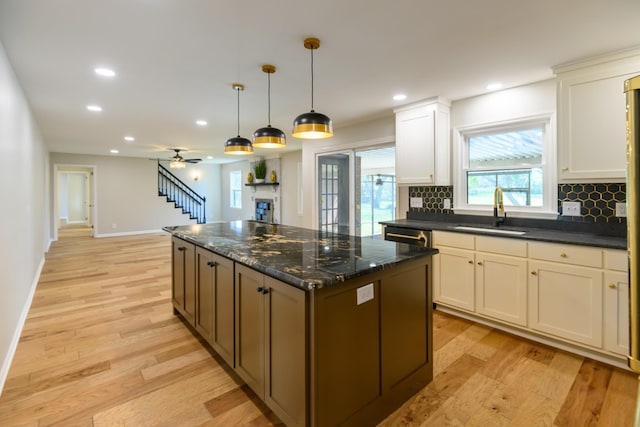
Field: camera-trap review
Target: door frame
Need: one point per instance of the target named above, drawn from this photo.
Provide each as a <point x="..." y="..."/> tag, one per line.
<point x="92" y="171"/>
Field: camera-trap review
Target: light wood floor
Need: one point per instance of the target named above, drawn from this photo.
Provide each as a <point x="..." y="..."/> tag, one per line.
<point x="101" y="347"/>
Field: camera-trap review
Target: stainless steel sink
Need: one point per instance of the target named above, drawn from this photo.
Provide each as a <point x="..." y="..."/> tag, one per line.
<point x="490" y="230"/>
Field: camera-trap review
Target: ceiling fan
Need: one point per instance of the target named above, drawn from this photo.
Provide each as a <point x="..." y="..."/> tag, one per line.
<point x="179" y="162"/>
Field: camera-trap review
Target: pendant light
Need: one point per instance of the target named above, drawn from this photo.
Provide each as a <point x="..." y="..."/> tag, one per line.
<point x="238" y="145"/>
<point x="269" y="137"/>
<point x="312" y="125"/>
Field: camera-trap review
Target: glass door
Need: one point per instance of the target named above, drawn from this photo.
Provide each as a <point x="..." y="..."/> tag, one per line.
<point x="333" y="193"/>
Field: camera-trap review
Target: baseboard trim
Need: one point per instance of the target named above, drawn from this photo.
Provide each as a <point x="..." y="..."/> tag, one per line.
<point x="128" y="233"/>
<point x="6" y="364"/>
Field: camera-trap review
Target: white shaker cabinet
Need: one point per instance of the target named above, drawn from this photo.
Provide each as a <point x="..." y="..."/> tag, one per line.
<point x="616" y="302"/>
<point x="591" y="115"/>
<point x="453" y="270"/>
<point x="423" y="143"/>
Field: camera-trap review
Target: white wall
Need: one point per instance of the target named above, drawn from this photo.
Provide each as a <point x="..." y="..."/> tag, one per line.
<point x="522" y="101"/>
<point x="365" y="134"/>
<point x="127" y="196"/>
<point x="24" y="235"/>
<point x="291" y="188"/>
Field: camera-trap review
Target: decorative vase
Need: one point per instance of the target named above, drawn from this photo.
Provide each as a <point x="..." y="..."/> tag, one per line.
<point x="259" y="180"/>
<point x="273" y="176"/>
<point x="249" y="177"/>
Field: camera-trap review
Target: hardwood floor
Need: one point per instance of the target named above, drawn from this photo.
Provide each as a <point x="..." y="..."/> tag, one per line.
<point x="101" y="347"/>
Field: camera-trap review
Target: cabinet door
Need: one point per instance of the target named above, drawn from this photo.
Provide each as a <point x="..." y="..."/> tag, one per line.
<point x="592" y="113"/>
<point x="415" y="138"/>
<point x="250" y="328"/>
<point x="453" y="271"/>
<point x="616" y="312"/>
<point x="183" y="280"/>
<point x="286" y="351"/>
<point x="205" y="286"/>
<point x="566" y="301"/>
<point x="223" y="341"/>
<point x="501" y="287"/>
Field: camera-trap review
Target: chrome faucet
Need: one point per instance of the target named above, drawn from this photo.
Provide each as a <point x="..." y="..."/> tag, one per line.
<point x="498" y="207"/>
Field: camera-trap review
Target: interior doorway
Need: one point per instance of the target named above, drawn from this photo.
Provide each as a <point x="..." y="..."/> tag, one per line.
<point x="74" y="197"/>
<point x="357" y="190"/>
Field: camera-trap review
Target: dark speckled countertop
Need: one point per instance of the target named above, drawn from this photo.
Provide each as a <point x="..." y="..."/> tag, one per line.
<point x="305" y="258"/>
<point x="611" y="236"/>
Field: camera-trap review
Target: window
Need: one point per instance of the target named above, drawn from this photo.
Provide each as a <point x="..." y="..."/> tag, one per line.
<point x="235" y="189"/>
<point x="516" y="156"/>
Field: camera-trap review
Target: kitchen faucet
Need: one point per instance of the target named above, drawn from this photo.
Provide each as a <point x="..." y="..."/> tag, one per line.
<point x="498" y="207"/>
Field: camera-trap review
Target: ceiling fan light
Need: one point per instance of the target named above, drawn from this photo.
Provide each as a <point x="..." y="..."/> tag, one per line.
<point x="312" y="125"/>
<point x="238" y="146"/>
<point x="177" y="164"/>
<point x="269" y="137"/>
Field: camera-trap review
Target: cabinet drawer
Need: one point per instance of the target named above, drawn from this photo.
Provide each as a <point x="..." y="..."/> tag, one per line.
<point x="566" y="254"/>
<point x="498" y="245"/>
<point x="454" y="240"/>
<point x="616" y="260"/>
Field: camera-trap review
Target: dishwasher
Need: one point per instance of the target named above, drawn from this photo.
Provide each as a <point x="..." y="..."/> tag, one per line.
<point x="411" y="236"/>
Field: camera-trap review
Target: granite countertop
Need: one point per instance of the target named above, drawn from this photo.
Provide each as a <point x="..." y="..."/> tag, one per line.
<point x="612" y="236"/>
<point x="305" y="258"/>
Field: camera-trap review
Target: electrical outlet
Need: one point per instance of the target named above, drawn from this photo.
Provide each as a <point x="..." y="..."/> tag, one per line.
<point x="364" y="294"/>
<point x="571" y="208"/>
<point x="415" y="202"/>
<point x="446" y="204"/>
<point x="621" y="209"/>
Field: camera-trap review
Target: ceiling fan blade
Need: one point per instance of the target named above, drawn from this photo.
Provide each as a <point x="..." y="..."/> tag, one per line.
<point x="193" y="160"/>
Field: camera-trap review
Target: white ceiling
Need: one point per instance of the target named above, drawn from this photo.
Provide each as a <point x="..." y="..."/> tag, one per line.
<point x="176" y="60"/>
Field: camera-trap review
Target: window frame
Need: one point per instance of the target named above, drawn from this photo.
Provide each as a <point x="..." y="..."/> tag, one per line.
<point x="546" y="121"/>
<point x="232" y="189"/>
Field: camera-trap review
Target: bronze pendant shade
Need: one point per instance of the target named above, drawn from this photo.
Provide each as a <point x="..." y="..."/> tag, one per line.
<point x="238" y="145"/>
<point x="312" y="125"/>
<point x="269" y="137"/>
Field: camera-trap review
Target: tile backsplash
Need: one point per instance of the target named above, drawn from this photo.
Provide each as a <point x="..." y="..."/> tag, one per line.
<point x="598" y="201"/>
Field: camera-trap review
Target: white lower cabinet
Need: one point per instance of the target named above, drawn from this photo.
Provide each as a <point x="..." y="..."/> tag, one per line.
<point x="566" y="301"/>
<point x="453" y="271"/>
<point x="501" y="287"/>
<point x="574" y="294"/>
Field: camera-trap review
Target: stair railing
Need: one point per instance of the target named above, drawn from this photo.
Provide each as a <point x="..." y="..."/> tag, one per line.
<point x="179" y="193"/>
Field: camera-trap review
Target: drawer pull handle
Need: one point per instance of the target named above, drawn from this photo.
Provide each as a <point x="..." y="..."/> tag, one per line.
<point x="563" y="255"/>
<point x="406" y="236"/>
<point x="533" y="273"/>
<point x="479" y="263"/>
<point x="211" y="264"/>
<point x="182" y="248"/>
<point x="612" y="286"/>
<point x="470" y="262"/>
<point x="565" y="168"/>
<point x="262" y="290"/>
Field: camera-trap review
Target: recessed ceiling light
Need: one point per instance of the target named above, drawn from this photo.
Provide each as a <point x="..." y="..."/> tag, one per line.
<point x="201" y="122"/>
<point x="105" y="72"/>
<point x="209" y="157"/>
<point x="114" y="151"/>
<point x="494" y="86"/>
<point x="399" y="97"/>
<point x="129" y="138"/>
<point x="94" y="108"/>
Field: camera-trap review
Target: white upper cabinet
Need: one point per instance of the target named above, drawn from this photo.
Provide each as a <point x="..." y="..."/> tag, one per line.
<point x="423" y="143"/>
<point x="591" y="118"/>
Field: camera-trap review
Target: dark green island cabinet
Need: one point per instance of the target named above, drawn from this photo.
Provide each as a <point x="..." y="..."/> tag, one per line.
<point x="329" y="352"/>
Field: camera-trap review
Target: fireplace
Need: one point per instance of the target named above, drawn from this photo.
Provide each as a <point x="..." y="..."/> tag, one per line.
<point x="264" y="209"/>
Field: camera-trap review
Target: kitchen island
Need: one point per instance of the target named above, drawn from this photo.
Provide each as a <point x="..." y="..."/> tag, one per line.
<point x="327" y="329"/>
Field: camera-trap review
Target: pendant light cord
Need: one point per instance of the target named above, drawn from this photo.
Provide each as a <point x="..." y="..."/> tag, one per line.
<point x="238" y="115"/>
<point x="269" y="98"/>
<point x="311" y="79"/>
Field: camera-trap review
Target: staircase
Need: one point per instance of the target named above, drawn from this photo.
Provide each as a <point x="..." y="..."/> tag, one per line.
<point x="181" y="195"/>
